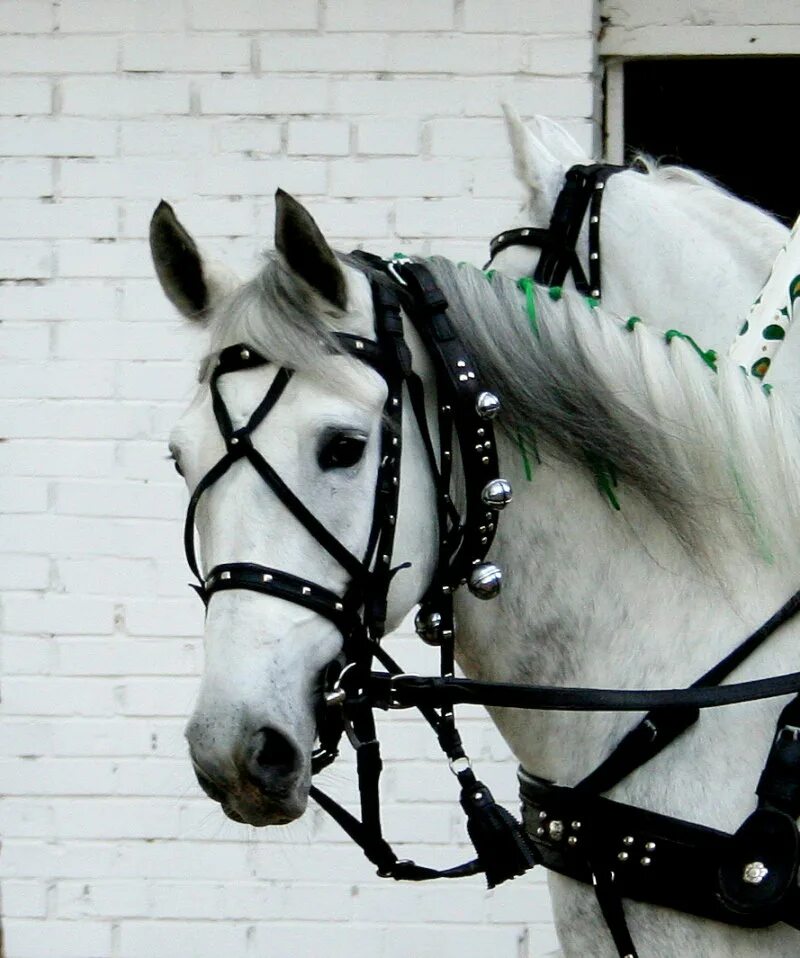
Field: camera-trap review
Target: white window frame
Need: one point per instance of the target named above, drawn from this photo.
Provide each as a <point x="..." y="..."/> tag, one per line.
<point x="673" y="41"/>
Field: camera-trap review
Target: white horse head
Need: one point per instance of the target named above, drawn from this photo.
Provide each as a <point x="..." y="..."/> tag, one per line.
<point x="676" y="248"/>
<point x="253" y="727"/>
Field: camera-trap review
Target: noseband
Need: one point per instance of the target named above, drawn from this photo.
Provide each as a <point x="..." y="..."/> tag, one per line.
<point x="748" y="878"/>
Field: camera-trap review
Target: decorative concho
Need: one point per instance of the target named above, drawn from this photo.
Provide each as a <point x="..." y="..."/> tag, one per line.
<point x="754" y="873"/>
<point x="429" y="626"/>
<point x="485" y="580"/>
<point x="497" y="494"/>
<point x="487" y="405"/>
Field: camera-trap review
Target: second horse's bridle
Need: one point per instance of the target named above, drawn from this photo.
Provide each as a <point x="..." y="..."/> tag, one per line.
<point x="583" y="190"/>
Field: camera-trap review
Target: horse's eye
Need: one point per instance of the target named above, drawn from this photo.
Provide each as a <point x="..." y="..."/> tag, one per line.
<point x="341" y="451"/>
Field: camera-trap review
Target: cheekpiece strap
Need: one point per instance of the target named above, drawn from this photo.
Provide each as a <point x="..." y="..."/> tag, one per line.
<point x="583" y="189"/>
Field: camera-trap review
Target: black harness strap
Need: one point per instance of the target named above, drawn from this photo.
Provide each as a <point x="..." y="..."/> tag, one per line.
<point x="583" y="188"/>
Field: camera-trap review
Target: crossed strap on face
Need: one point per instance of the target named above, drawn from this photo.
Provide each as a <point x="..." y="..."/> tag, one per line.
<point x="341" y="610"/>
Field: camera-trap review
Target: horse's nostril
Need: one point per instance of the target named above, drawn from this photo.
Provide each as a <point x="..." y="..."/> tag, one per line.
<point x="276" y="753"/>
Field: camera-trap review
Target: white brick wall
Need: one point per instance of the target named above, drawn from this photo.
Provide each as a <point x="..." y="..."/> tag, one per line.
<point x="384" y="118"/>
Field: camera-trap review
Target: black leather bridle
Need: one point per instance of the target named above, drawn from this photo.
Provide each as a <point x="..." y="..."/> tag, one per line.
<point x="583" y="190"/>
<point x="749" y="878"/>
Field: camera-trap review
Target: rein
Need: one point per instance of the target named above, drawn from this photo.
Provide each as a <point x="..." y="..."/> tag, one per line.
<point x="748" y="878"/>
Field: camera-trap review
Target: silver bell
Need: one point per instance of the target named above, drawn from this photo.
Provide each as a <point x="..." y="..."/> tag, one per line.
<point x="485" y="580"/>
<point x="429" y="626"/>
<point x="496" y="494"/>
<point x="487" y="405"/>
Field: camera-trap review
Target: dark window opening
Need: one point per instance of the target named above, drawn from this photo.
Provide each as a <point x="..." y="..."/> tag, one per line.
<point x="731" y="118"/>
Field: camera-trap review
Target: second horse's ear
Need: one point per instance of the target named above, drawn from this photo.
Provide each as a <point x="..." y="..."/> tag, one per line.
<point x="299" y="240"/>
<point x="191" y="283"/>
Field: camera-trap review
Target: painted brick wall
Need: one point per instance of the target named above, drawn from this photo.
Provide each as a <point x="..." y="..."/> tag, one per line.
<point x="384" y="118"/>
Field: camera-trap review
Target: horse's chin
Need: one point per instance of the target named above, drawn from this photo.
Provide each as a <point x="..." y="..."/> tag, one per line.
<point x="253" y="807"/>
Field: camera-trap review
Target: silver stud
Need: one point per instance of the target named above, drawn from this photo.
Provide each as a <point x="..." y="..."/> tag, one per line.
<point x="484" y="542"/>
<point x="576" y="826"/>
<point x="395" y="441"/>
<point x="485" y="460"/>
<point x="445" y="409"/>
<point x="650" y="846"/>
<point x="594" y="256"/>
<point x="485" y="580"/>
<point x="645" y="861"/>
<point x="338" y="606"/>
<point x="623" y="856"/>
<point x="234" y="441"/>
<point x="337" y="697"/>
<point x="487" y="405"/>
<point x="461" y="364"/>
<point x="463" y="377"/>
<point x="479" y="447"/>
<point x="596" y="293"/>
<point x="225" y="575"/>
<point x="526" y="232"/>
<point x="540" y="831"/>
<point x="572" y="840"/>
<point x="501" y="237"/>
<point x="470" y="375"/>
<point x="556" y="830"/>
<point x="481" y="432"/>
<point x="599" y="186"/>
<point x="754" y="873"/>
<point x="627" y="840"/>
<point x="395" y="401"/>
<point x="359" y="344"/>
<point x="385" y="558"/>
<point x="266" y="577"/>
<point x="245" y="354"/>
<point x="594" y="219"/>
<point x="487" y="445"/>
<point x="542" y="815"/>
<point x="306" y="590"/>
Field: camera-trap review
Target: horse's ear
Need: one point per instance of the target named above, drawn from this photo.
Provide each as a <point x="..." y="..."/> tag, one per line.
<point x="192" y="284"/>
<point x="299" y="240"/>
<point x="559" y="141"/>
<point x="534" y="164"/>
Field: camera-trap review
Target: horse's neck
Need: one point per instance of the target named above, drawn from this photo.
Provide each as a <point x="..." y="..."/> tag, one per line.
<point x="599" y="598"/>
<point x="679" y="256"/>
<point x="685" y="256"/>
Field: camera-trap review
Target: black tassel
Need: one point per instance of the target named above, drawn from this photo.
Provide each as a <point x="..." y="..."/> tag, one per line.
<point x="503" y="848"/>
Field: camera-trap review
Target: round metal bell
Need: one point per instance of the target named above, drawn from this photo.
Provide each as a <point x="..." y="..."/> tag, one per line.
<point x="485" y="580"/>
<point x="487" y="405"/>
<point x="496" y="494"/>
<point x="429" y="626"/>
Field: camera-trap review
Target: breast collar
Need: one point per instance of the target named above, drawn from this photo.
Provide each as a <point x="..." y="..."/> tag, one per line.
<point x="583" y="189"/>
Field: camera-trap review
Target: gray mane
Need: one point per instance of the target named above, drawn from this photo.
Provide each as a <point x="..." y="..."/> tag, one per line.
<point x="619" y="402"/>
